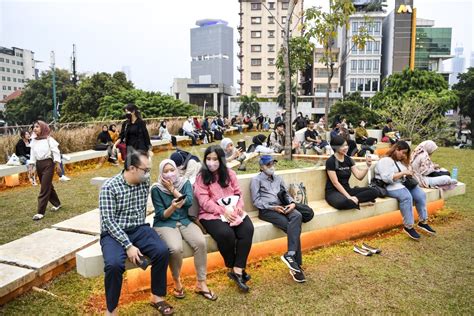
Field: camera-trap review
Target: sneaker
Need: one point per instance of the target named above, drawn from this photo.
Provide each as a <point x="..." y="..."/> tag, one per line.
<point x="362" y="251"/>
<point x="298" y="276"/>
<point x="290" y="262"/>
<point x="371" y="249"/>
<point x="63" y="178"/>
<point x="427" y="228"/>
<point x="56" y="208"/>
<point x="411" y="232"/>
<point x="37" y="217"/>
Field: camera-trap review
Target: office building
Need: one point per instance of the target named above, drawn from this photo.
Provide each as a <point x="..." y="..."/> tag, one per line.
<point x="320" y="81"/>
<point x="17" y="66"/>
<point x="458" y="64"/>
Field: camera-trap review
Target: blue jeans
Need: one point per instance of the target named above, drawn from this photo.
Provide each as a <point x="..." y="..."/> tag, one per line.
<point x="406" y="198"/>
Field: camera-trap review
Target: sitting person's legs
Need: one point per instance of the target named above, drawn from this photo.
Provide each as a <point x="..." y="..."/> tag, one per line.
<point x="439" y="181"/>
<point x="225" y="238"/>
<point x="364" y="194"/>
<point x="419" y="197"/>
<point x="337" y="200"/>
<point x="172" y="237"/>
<point x="405" y="201"/>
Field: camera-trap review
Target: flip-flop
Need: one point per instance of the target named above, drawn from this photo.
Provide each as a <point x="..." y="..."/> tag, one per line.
<point x="207" y="295"/>
<point x="179" y="293"/>
<point x="162" y="307"/>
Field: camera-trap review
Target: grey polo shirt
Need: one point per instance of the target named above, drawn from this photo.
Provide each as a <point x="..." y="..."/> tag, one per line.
<point x="265" y="189"/>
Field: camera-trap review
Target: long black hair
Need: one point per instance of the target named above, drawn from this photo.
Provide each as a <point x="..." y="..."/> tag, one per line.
<point x="223" y="173"/>
<point x="162" y="124"/>
<point x="133" y="108"/>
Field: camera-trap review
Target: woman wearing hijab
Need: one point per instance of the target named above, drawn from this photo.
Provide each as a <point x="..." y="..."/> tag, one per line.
<point x="259" y="142"/>
<point x="172" y="196"/>
<point x="429" y="174"/>
<point x="46" y="156"/>
<point x="231" y="153"/>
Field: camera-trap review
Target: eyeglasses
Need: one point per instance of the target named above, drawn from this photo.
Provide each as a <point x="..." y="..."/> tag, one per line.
<point x="146" y="170"/>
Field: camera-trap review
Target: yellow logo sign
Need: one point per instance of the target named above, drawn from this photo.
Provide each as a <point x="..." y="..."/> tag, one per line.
<point x="404" y="9"/>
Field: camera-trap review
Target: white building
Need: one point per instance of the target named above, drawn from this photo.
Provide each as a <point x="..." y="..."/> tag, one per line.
<point x="17" y="66"/>
<point x="361" y="70"/>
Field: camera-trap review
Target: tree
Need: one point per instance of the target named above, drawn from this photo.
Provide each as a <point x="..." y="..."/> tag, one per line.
<point x="36" y="100"/>
<point x="354" y="108"/>
<point x="323" y="27"/>
<point x="249" y="105"/>
<point x="282" y="95"/>
<point x="84" y="102"/>
<point x="410" y="83"/>
<point x="465" y="91"/>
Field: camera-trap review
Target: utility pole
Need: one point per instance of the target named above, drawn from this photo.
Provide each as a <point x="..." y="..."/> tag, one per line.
<point x="55" y="109"/>
<point x="204" y="109"/>
<point x="73" y="66"/>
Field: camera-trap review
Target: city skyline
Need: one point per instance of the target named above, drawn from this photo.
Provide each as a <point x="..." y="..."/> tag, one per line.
<point x="144" y="36"/>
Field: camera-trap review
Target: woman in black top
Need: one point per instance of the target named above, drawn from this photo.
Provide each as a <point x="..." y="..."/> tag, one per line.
<point x="134" y="133"/>
<point x="339" y="168"/>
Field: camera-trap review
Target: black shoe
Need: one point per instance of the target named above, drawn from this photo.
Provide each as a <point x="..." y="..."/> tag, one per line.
<point x="237" y="278"/>
<point x="245" y="277"/>
<point x="290" y="262"/>
<point x="371" y="249"/>
<point x="298" y="276"/>
<point x="411" y="232"/>
<point x="427" y="228"/>
<point x="362" y="251"/>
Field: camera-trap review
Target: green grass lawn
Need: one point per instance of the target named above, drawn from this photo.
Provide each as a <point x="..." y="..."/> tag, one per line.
<point x="433" y="276"/>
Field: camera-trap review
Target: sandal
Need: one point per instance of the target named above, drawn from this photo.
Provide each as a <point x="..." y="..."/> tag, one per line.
<point x="207" y="295"/>
<point x="163" y="307"/>
<point x="179" y="293"/>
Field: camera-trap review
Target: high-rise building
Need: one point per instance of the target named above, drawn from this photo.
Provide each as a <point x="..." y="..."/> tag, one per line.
<point x="212" y="52"/>
<point x="458" y="65"/>
<point x="261" y="37"/>
<point x="361" y="70"/>
<point x="212" y="72"/>
<point x="433" y="46"/>
<point x="397" y="38"/>
<point x="320" y="81"/>
<point x="17" y="66"/>
<point x="471" y="61"/>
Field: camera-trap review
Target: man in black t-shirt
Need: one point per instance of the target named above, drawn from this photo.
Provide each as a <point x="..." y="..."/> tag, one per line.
<point x="313" y="141"/>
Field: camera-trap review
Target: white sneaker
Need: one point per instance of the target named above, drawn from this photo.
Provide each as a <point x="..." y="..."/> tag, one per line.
<point x="64" y="178"/>
<point x="56" y="208"/>
<point x="37" y="217"/>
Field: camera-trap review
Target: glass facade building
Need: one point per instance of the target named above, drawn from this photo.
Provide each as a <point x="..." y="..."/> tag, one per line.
<point x="431" y="42"/>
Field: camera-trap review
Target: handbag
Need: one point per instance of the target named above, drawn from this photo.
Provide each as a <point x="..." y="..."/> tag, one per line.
<point x="307" y="212"/>
<point x="408" y="182"/>
<point x="380" y="186"/>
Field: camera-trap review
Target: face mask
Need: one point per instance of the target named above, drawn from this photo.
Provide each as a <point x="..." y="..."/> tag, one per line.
<point x="212" y="165"/>
<point x="269" y="171"/>
<point x="170" y="176"/>
<point x="128" y="116"/>
<point x="145" y="177"/>
<point x="362" y="124"/>
<point x="190" y="120"/>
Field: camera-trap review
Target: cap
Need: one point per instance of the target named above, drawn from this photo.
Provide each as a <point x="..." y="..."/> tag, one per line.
<point x="177" y="158"/>
<point x="266" y="159"/>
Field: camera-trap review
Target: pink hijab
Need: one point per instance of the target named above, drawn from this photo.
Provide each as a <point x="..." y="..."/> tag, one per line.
<point x="45" y="130"/>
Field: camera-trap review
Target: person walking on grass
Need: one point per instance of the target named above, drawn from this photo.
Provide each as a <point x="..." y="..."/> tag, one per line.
<point x="45" y="155"/>
<point x="265" y="189"/>
<point x="172" y="196"/>
<point x="124" y="233"/>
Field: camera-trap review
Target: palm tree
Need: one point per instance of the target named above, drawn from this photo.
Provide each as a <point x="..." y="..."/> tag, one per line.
<point x="249" y="105"/>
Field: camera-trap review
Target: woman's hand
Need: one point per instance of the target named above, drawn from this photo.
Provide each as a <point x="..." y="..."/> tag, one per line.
<point x="239" y="211"/>
<point x="354" y="199"/>
<point x="168" y="185"/>
<point x="177" y="205"/>
<point x="58" y="168"/>
<point x="229" y="215"/>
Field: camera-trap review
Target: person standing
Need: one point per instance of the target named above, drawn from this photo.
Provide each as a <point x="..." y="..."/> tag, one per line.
<point x="46" y="156"/>
<point x="134" y="133"/>
<point x="124" y="233"/>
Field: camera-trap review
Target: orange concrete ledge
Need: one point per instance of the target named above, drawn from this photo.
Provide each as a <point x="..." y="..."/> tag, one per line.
<point x="138" y="280"/>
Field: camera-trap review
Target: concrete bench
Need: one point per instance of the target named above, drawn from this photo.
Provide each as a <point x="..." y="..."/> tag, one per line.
<point x="90" y="262"/>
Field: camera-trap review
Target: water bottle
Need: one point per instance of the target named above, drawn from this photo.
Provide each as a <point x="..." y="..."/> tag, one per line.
<point x="454" y="174"/>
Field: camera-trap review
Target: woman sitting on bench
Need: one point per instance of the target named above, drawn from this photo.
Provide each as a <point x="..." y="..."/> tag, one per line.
<point x="339" y="168"/>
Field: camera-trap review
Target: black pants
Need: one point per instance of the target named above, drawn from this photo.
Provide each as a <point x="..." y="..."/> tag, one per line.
<point x="45" y="170"/>
<point x="233" y="242"/>
<point x="147" y="240"/>
<point x="259" y="126"/>
<point x="337" y="200"/>
<point x="352" y="151"/>
<point x="290" y="224"/>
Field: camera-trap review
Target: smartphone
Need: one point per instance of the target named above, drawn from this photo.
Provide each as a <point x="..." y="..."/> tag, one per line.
<point x="182" y="197"/>
<point x="143" y="263"/>
<point x="286" y="208"/>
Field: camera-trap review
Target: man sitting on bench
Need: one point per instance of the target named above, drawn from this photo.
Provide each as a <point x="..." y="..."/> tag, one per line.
<point x="124" y="233"/>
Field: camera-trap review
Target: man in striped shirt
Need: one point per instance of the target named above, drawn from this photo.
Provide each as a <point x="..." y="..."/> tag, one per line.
<point x="124" y="233"/>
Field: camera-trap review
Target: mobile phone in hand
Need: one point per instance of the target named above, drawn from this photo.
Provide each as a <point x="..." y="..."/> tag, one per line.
<point x="182" y="197"/>
<point x="143" y="263"/>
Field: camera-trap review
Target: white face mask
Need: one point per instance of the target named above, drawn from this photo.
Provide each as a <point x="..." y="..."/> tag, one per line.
<point x="362" y="124"/>
<point x="269" y="171"/>
<point x="190" y="120"/>
<point x="212" y="165"/>
<point x="145" y="177"/>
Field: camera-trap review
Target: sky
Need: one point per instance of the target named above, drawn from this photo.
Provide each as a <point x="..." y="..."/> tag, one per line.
<point x="152" y="38"/>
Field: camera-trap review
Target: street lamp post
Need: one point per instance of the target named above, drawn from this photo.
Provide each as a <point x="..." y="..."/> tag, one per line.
<point x="55" y="109"/>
